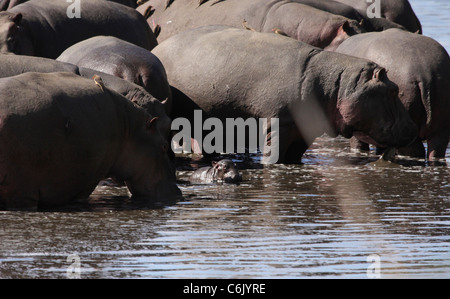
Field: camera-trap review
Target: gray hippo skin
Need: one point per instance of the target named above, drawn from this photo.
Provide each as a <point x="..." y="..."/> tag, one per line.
<point x="397" y="11"/>
<point x="222" y="171"/>
<point x="117" y="57"/>
<point x="232" y="73"/>
<point x="301" y="22"/>
<point x="43" y="28"/>
<point x="338" y="8"/>
<point x="420" y="67"/>
<point x="7" y="4"/>
<point x="59" y="139"/>
<point x="12" y="65"/>
<point x="137" y="95"/>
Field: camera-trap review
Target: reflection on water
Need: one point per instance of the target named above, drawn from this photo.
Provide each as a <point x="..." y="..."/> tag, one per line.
<point x="320" y="219"/>
<point x="324" y="218"/>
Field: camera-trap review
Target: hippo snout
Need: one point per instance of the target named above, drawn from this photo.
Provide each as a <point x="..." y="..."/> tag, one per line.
<point x="232" y="176"/>
<point x="404" y="130"/>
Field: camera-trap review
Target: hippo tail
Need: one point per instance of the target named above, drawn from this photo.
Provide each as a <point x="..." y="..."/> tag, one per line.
<point x="426" y="95"/>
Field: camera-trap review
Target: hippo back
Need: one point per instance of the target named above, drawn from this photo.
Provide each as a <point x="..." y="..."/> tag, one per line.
<point x="316" y="27"/>
<point x="51" y="29"/>
<point x="110" y="55"/>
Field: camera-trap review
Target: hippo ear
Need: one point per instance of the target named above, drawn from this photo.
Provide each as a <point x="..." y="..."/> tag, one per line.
<point x="379" y="74"/>
<point x="17" y="18"/>
<point x="345" y="28"/>
<point x="214" y="163"/>
<point x="151" y="125"/>
<point x="165" y="101"/>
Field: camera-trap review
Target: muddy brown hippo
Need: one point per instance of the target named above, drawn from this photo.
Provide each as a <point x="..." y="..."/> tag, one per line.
<point x="316" y="27"/>
<point x="398" y="11"/>
<point x="223" y="171"/>
<point x="61" y="134"/>
<point x="12" y="65"/>
<point x="420" y="67"/>
<point x="230" y="73"/>
<point x="43" y="27"/>
<point x="120" y="58"/>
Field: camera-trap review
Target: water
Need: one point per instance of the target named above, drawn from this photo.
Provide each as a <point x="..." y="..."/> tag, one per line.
<point x="338" y="215"/>
<point x="435" y="18"/>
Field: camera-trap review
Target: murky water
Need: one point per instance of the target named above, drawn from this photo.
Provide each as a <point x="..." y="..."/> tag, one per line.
<point x="338" y="215"/>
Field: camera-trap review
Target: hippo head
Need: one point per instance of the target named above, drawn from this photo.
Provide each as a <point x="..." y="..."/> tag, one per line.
<point x="157" y="108"/>
<point x="12" y="35"/>
<point x="225" y="170"/>
<point x="145" y="166"/>
<point x="342" y="32"/>
<point x="369" y="108"/>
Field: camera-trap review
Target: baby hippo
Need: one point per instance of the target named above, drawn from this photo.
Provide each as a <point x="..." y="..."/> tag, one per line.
<point x="222" y="171"/>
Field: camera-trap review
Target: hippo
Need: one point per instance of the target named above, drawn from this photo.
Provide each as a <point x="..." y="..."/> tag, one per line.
<point x="11" y="65"/>
<point x="7" y="4"/>
<point x="398" y="11"/>
<point x="44" y="28"/>
<point x="224" y="170"/>
<point x="230" y="73"/>
<point x="316" y="27"/>
<point x="420" y="67"/>
<point x="117" y="57"/>
<point x="137" y="95"/>
<point x="59" y="139"/>
<point x="338" y="8"/>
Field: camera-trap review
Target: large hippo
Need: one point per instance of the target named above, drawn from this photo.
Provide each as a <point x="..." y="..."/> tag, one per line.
<point x="398" y="11"/>
<point x="59" y="139"/>
<point x="420" y="67"/>
<point x="44" y="28"/>
<point x="338" y="8"/>
<point x="230" y="73"/>
<point x="7" y="4"/>
<point x="11" y="65"/>
<point x="313" y="26"/>
<point x="117" y="57"/>
<point x="223" y="171"/>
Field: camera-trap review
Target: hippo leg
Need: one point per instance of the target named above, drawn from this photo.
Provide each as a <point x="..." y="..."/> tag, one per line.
<point x="358" y="145"/>
<point x="24" y="203"/>
<point x="437" y="145"/>
<point x="295" y="152"/>
<point x="415" y="150"/>
<point x="285" y="147"/>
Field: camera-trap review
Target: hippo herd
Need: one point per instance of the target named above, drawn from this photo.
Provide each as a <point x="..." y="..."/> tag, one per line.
<point x="91" y="95"/>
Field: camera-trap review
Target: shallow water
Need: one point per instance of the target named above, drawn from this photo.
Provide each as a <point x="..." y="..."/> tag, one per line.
<point x="320" y="219"/>
<point x="339" y="215"/>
